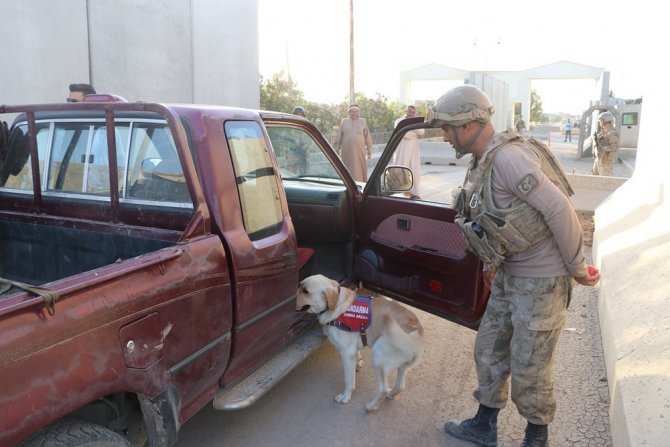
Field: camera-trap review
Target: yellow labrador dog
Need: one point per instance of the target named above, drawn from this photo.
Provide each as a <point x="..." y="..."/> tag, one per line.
<point x="350" y="322"/>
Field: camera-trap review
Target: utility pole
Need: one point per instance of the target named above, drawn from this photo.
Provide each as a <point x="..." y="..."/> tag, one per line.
<point x="351" y="52"/>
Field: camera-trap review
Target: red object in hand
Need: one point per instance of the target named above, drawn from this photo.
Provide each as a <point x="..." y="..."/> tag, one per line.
<point x="592" y="270"/>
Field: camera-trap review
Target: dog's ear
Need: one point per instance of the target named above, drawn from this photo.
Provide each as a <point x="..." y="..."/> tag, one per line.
<point x="332" y="297"/>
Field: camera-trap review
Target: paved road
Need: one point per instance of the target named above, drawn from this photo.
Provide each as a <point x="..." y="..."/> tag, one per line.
<point x="300" y="411"/>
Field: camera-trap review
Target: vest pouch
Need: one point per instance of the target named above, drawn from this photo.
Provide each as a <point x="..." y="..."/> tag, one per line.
<point x="503" y="232"/>
<point x="458" y="198"/>
<point x="535" y="229"/>
<point x="477" y="242"/>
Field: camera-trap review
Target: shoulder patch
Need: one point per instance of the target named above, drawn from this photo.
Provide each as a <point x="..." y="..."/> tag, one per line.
<point x="527" y="184"/>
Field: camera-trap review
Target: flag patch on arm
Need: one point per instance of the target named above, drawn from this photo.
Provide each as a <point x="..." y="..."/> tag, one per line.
<point x="527" y="184"/>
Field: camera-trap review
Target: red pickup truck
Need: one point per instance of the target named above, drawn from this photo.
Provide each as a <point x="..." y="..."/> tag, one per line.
<point x="151" y="254"/>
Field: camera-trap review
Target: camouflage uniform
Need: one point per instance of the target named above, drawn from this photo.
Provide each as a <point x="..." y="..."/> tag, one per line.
<point x="518" y="335"/>
<point x="508" y="179"/>
<point x="606" y="148"/>
<point x="531" y="290"/>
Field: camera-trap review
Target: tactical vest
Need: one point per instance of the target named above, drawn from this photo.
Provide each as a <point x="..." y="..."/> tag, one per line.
<point x="494" y="233"/>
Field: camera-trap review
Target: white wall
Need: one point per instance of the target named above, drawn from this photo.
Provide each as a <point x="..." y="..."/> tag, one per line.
<point x="498" y="92"/>
<point x="44" y="49"/>
<point x="632" y="250"/>
<point x="225" y="53"/>
<point x="203" y="51"/>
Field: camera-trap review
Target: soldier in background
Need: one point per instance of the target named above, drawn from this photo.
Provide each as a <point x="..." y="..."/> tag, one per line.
<point x="299" y="110"/>
<point x="606" y="144"/>
<point x="520" y="125"/>
<point x="531" y="285"/>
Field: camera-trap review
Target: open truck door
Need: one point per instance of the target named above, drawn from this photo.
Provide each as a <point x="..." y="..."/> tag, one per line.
<point x="411" y="250"/>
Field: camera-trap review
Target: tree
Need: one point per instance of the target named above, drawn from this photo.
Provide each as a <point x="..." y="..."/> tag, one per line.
<point x="535" y="107"/>
<point x="280" y="94"/>
<point x="379" y="113"/>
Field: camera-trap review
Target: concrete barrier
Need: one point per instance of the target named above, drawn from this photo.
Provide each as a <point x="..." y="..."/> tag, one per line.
<point x="592" y="190"/>
<point x="632" y="249"/>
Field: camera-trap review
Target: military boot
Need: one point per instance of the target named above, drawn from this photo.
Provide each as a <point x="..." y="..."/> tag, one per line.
<point x="536" y="436"/>
<point x="481" y="429"/>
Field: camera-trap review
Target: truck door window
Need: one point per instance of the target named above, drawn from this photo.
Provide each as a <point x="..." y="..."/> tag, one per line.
<point x="256" y="181"/>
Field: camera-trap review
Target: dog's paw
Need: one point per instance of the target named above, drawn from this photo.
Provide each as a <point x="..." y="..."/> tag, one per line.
<point x="359" y="364"/>
<point x="343" y="398"/>
<point x="393" y="393"/>
<point x="373" y="405"/>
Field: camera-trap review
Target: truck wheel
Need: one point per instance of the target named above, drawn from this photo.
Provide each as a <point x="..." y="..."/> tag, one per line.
<point x="71" y="433"/>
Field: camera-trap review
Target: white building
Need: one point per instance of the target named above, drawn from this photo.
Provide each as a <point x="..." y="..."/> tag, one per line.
<point x="189" y="51"/>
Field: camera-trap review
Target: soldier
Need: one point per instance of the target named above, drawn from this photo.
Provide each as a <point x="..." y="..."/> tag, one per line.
<point x="530" y="276"/>
<point x="520" y="125"/>
<point x="606" y="142"/>
<point x="299" y="110"/>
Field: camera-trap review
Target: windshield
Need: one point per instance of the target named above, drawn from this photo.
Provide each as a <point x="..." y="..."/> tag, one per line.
<point x="298" y="155"/>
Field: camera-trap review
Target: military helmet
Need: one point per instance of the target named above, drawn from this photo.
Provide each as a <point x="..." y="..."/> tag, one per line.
<point x="460" y="105"/>
<point x="297" y="110"/>
<point x="606" y="117"/>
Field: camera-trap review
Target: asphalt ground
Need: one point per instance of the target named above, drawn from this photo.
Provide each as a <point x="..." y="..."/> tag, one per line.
<point x="300" y="410"/>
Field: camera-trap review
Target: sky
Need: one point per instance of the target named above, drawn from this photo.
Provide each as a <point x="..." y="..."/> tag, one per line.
<point x="309" y="39"/>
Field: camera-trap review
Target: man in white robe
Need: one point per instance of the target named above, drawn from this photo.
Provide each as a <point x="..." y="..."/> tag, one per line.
<point x="353" y="144"/>
<point x="407" y="152"/>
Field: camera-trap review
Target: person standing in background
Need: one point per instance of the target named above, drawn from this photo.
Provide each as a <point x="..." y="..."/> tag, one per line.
<point x="568" y="131"/>
<point x="606" y="144"/>
<point x="299" y="110"/>
<point x="353" y="144"/>
<point x="407" y="152"/>
<point x="79" y="91"/>
<point x="520" y="125"/>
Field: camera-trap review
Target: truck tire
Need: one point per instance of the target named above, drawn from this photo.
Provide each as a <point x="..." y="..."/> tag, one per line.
<point x="72" y="433"/>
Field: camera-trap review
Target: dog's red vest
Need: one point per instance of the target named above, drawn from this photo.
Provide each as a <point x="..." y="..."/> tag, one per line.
<point x="357" y="317"/>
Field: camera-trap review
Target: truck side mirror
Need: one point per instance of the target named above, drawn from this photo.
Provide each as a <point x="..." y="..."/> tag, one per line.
<point x="397" y="179"/>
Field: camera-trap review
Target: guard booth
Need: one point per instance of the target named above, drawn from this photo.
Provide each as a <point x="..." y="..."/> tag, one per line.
<point x="629" y="129"/>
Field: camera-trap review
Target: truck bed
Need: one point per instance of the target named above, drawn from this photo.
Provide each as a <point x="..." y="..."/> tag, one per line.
<point x="69" y="247"/>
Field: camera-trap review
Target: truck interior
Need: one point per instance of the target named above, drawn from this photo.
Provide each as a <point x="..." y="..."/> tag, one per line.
<point x="319" y="203"/>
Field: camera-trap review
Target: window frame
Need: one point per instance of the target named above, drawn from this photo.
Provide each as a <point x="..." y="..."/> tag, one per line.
<point x="92" y="124"/>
